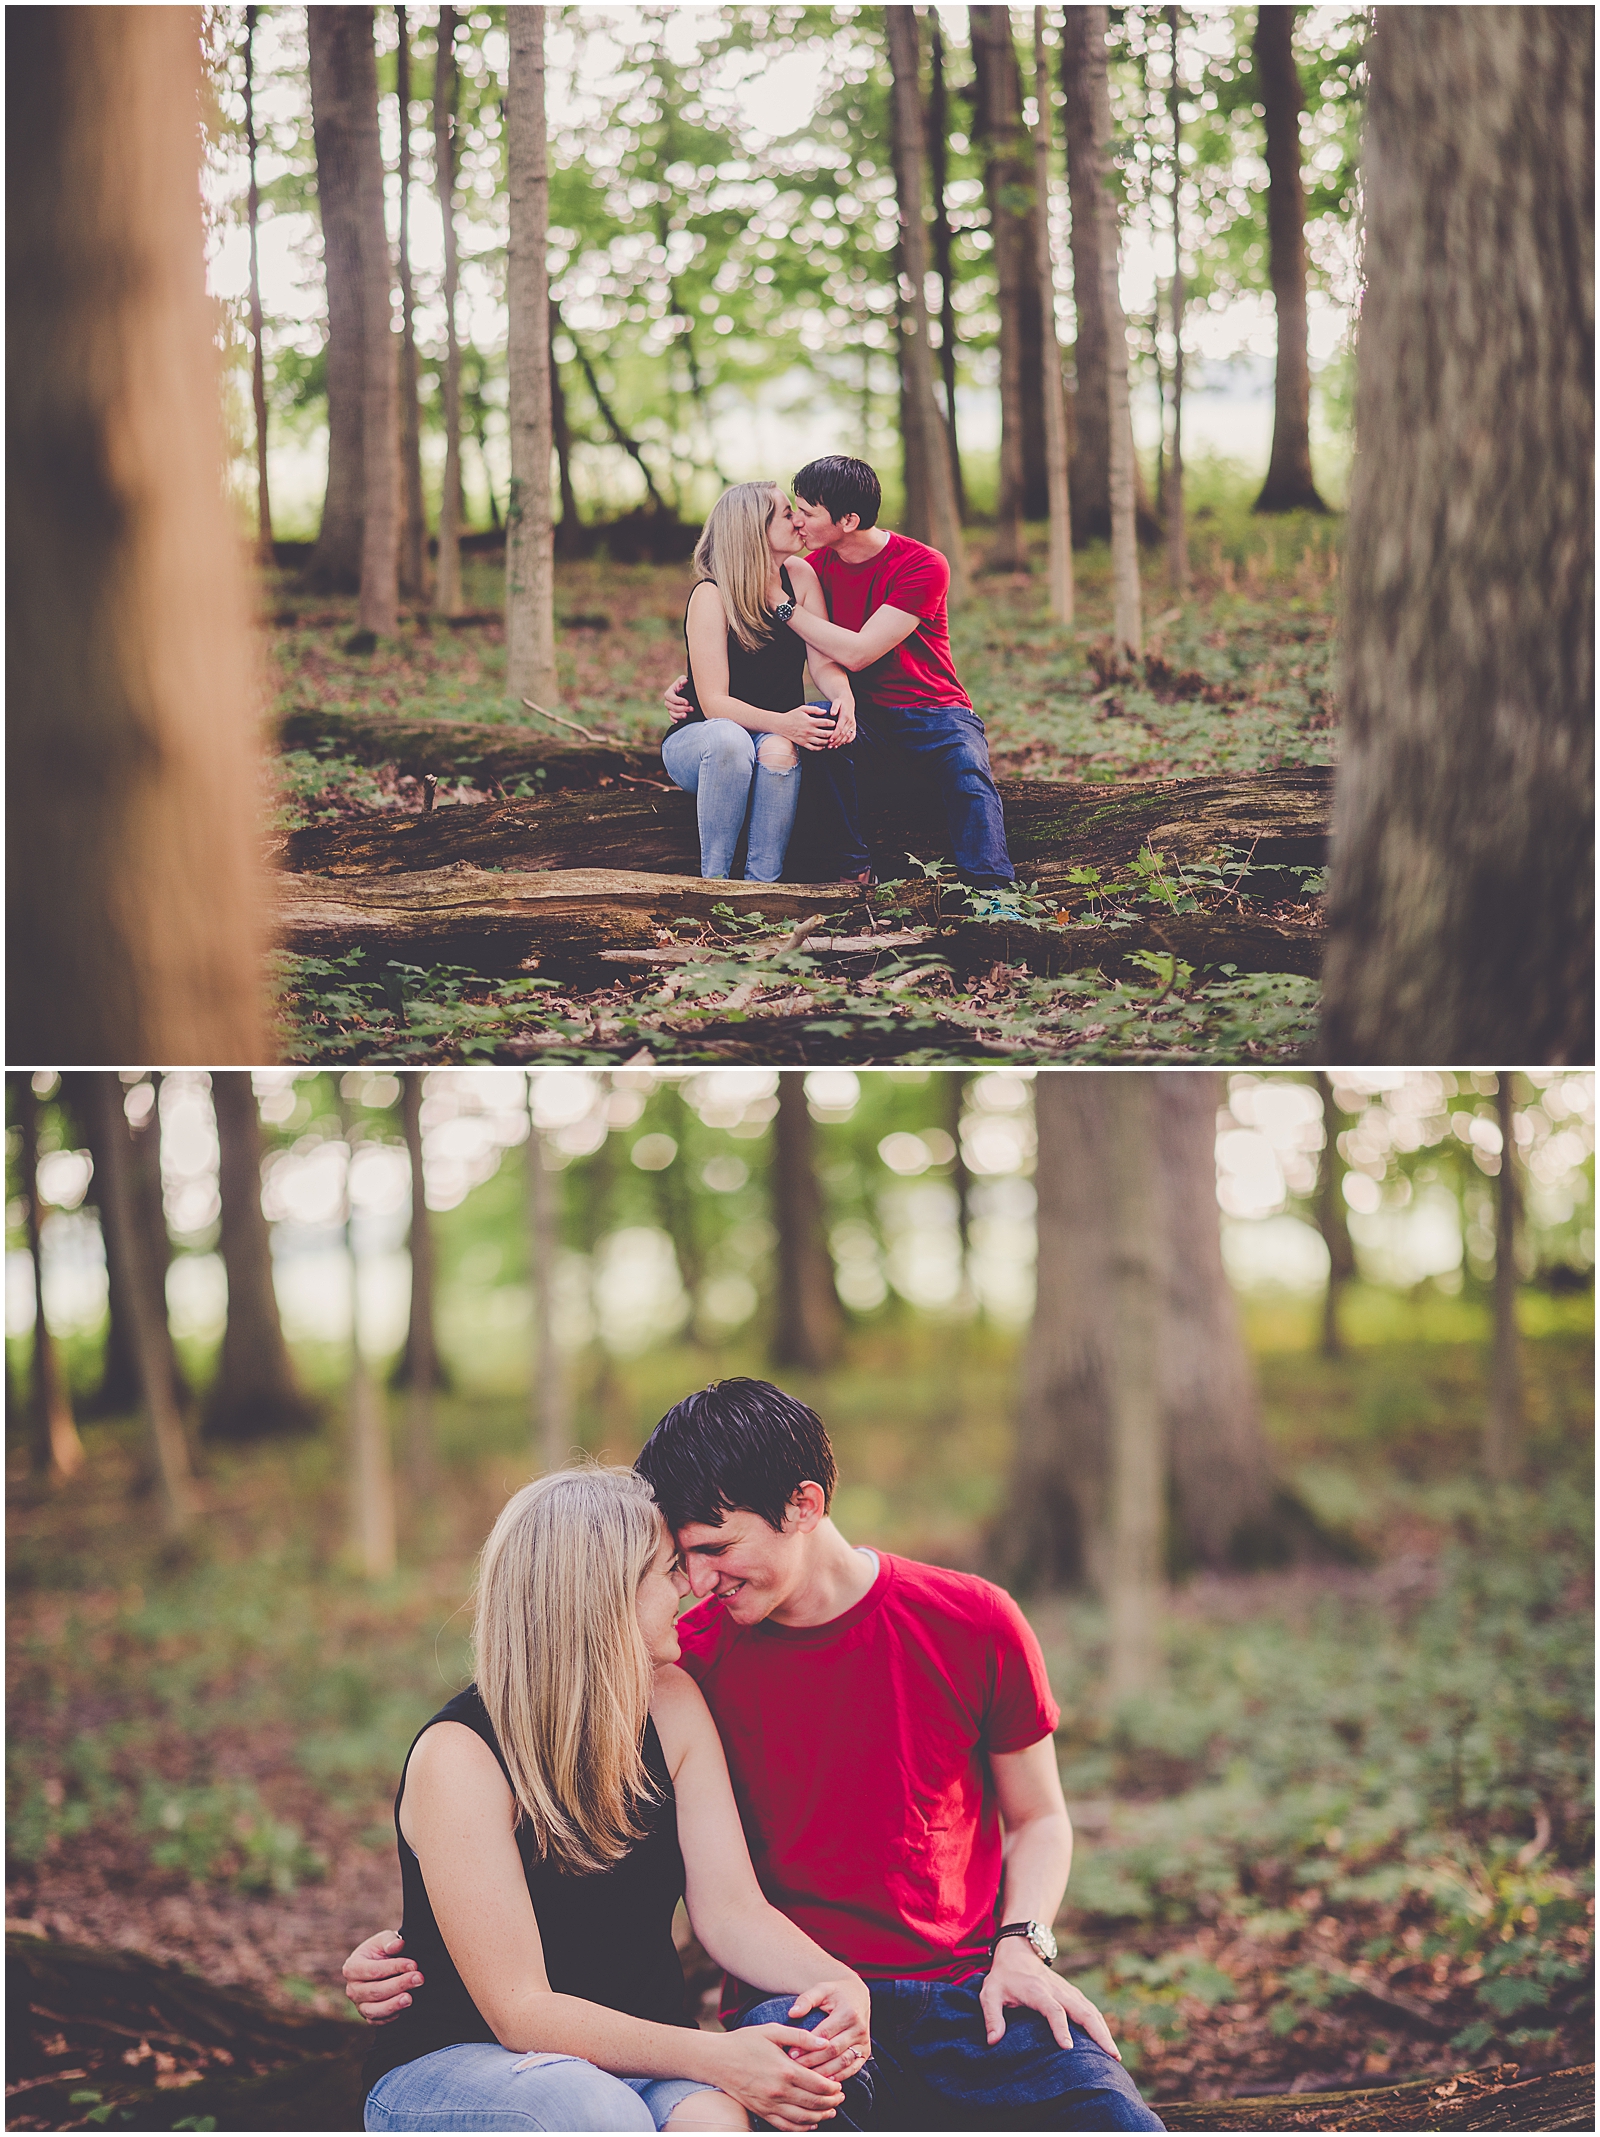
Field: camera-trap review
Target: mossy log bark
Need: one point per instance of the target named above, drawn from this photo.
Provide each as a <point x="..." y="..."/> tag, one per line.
<point x="283" y="2072"/>
<point x="566" y="920"/>
<point x="455" y="749"/>
<point x="1278" y="818"/>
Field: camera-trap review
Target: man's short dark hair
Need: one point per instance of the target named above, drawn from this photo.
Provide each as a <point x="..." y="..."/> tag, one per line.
<point x="735" y="1444"/>
<point x="840" y="485"/>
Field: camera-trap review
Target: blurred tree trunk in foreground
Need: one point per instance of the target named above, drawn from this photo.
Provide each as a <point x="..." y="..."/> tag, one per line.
<point x="1225" y="1508"/>
<point x="927" y="445"/>
<point x="418" y="1370"/>
<point x="808" y="1325"/>
<point x="1289" y="486"/>
<point x="1461" y="908"/>
<point x="1502" y="1441"/>
<point x="414" y="529"/>
<point x="255" y="1394"/>
<point x="447" y="572"/>
<point x="132" y="873"/>
<point x="335" y="35"/>
<point x="54" y="1445"/>
<point x="530" y="559"/>
<point x="1332" y="1221"/>
<point x="151" y="1341"/>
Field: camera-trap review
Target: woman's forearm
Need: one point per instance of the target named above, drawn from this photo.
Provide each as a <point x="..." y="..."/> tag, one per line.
<point x="759" y="1945"/>
<point x="828" y="675"/>
<point x="541" y="2022"/>
<point x="718" y="706"/>
<point x="824" y="636"/>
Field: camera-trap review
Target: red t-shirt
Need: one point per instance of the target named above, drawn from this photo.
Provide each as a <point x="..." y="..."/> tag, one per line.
<point x="858" y="1756"/>
<point x="919" y="673"/>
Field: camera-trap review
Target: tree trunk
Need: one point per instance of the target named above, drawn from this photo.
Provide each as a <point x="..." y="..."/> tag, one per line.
<point x="926" y="442"/>
<point x="1060" y="1525"/>
<point x="54" y="1446"/>
<point x="1058" y="479"/>
<point x="1094" y="233"/>
<point x="133" y="890"/>
<point x="1332" y="1222"/>
<point x="913" y="468"/>
<point x="1502" y="1443"/>
<point x="530" y="558"/>
<point x="258" y="362"/>
<point x="1177" y="535"/>
<point x="808" y="1325"/>
<point x="551" y="1405"/>
<point x="1289" y="486"/>
<point x="419" y="1369"/>
<point x="414" y="535"/>
<point x="335" y="43"/>
<point x="447" y="572"/>
<point x="997" y="104"/>
<point x="118" y="1390"/>
<point x="151" y="1341"/>
<point x="380" y="440"/>
<point x="371" y="1462"/>
<point x="1139" y="1443"/>
<point x="1461" y="907"/>
<point x="255" y="1395"/>
<point x="943" y="251"/>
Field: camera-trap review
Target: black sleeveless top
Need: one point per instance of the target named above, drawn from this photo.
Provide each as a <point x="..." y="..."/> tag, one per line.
<point x="773" y="676"/>
<point x="607" y="1936"/>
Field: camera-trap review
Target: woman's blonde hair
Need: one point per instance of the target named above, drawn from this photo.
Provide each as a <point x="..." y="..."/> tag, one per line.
<point x="561" y="1663"/>
<point x="732" y="553"/>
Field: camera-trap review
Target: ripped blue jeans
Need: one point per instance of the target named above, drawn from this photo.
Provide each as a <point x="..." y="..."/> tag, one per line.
<point x="716" y="761"/>
<point x="482" y="2086"/>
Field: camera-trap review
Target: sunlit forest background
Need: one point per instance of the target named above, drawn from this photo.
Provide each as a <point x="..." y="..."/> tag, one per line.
<point x="1341" y="1834"/>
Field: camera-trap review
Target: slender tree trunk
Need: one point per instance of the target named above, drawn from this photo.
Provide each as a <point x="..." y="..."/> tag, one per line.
<point x="133" y="896"/>
<point x="1289" y="486"/>
<point x="1461" y="907"/>
<point x="568" y="540"/>
<point x="1177" y="535"/>
<point x="54" y="1446"/>
<point x="943" y="251"/>
<point x="118" y="1391"/>
<point x="380" y="439"/>
<point x="1332" y="1222"/>
<point x="551" y="1405"/>
<point x="1502" y="1439"/>
<point x="1058" y="477"/>
<point x="1007" y="180"/>
<point x="1094" y="233"/>
<point x="530" y="556"/>
<point x="809" y="1324"/>
<point x="447" y="573"/>
<point x="414" y="535"/>
<point x="151" y="1342"/>
<point x="1138" y="1439"/>
<point x="926" y="440"/>
<point x="608" y="416"/>
<point x="913" y="469"/>
<point x="335" y="43"/>
<point x="255" y="1395"/>
<point x="1127" y="627"/>
<point x="419" y="1371"/>
<point x="953" y="1090"/>
<point x="371" y="1461"/>
<point x="258" y="362"/>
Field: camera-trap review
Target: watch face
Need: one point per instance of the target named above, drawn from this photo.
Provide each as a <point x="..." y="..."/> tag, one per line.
<point x="1042" y="1941"/>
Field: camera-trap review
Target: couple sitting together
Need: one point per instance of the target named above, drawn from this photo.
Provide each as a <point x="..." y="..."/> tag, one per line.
<point x="869" y="605"/>
<point x="840" y="1759"/>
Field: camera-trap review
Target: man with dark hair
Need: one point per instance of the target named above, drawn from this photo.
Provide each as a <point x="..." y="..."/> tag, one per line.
<point x="889" y="1732"/>
<point x="888" y="624"/>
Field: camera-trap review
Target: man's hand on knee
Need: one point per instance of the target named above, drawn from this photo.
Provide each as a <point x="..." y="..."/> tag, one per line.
<point x="1020" y="1979"/>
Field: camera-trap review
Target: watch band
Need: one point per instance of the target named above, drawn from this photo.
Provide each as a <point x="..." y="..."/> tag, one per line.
<point x="1038" y="1935"/>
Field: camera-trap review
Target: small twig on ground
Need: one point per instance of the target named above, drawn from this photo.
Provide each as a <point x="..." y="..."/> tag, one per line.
<point x="662" y="786"/>
<point x="430" y="789"/>
<point x="798" y="934"/>
<point x="587" y="733"/>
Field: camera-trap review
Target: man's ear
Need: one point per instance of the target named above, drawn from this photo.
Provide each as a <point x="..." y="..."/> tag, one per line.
<point x="850" y="522"/>
<point x="807" y="1506"/>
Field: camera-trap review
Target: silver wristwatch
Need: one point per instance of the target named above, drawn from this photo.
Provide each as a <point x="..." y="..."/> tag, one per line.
<point x="1037" y="1934"/>
<point x="784" y="610"/>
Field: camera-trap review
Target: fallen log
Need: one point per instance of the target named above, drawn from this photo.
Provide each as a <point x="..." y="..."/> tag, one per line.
<point x="566" y="921"/>
<point x="238" y="2063"/>
<point x="456" y="749"/>
<point x="1278" y="818"/>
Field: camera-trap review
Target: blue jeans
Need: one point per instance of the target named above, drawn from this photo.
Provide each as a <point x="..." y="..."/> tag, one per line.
<point x="952" y="743"/>
<point x="932" y="2068"/>
<point x="482" y="2086"/>
<point x="716" y="761"/>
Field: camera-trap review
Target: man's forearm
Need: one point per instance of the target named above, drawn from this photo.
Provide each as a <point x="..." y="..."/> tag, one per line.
<point x="1038" y="1864"/>
<point x="828" y="675"/>
<point x="824" y="636"/>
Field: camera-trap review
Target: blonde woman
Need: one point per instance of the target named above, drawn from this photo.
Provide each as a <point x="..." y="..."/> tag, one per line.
<point x="549" y="1819"/>
<point x="737" y="749"/>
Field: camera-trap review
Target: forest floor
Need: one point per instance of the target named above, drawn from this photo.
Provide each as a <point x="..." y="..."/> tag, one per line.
<point x="1348" y="1841"/>
<point x="1238" y="678"/>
